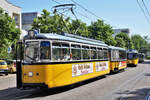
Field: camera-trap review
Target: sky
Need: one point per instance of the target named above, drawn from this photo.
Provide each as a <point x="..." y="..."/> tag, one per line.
<point x="117" y="13"/>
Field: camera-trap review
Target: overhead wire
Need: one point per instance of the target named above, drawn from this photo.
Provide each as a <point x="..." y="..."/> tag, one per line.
<point x="86" y="9"/>
<point x="90" y="12"/>
<point x="74" y="11"/>
<point x="143" y="11"/>
<point x="83" y="15"/>
<point x="146" y="8"/>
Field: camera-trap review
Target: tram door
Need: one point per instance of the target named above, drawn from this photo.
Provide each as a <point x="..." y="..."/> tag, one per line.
<point x="19" y="58"/>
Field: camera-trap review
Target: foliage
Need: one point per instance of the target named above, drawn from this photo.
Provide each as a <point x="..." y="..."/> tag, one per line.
<point x="101" y="31"/>
<point x="57" y="24"/>
<point x="9" y="34"/>
<point x="48" y="23"/>
<point x="51" y="24"/>
<point x="78" y="27"/>
<point x="148" y="57"/>
<point x="120" y="42"/>
<point x="124" y="41"/>
<point x="139" y="42"/>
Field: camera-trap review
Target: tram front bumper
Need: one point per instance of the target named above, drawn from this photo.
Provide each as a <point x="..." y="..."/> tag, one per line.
<point x="34" y="85"/>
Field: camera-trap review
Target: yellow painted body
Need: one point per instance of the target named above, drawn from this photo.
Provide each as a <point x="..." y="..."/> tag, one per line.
<point x="117" y="65"/>
<point x="133" y="61"/>
<point x="3" y="66"/>
<point x="55" y="75"/>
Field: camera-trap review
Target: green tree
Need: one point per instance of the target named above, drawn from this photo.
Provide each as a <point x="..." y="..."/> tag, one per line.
<point x="78" y="27"/>
<point x="51" y="24"/>
<point x="126" y="41"/>
<point x="120" y="42"/>
<point x="9" y="34"/>
<point x="139" y="42"/>
<point x="101" y="31"/>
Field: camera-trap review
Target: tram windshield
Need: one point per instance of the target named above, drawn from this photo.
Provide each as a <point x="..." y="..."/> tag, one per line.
<point x="132" y="55"/>
<point x="35" y="52"/>
<point x="31" y="51"/>
<point x="45" y="50"/>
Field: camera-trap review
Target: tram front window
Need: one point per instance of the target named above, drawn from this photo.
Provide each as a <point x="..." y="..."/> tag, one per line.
<point x="132" y="55"/>
<point x="31" y="51"/>
<point x="45" y="50"/>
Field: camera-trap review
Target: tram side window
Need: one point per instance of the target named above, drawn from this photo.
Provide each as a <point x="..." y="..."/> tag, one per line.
<point x="85" y="52"/>
<point x="135" y="55"/>
<point x="65" y="52"/>
<point x="100" y="53"/>
<point x="60" y="51"/>
<point x="45" y="50"/>
<point x="105" y="51"/>
<point x="93" y="53"/>
<point x="76" y="52"/>
<point x="115" y="55"/>
<point x="56" y="51"/>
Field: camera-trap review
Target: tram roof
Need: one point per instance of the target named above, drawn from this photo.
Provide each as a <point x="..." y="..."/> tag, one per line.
<point x="116" y="48"/>
<point x="132" y="51"/>
<point x="70" y="37"/>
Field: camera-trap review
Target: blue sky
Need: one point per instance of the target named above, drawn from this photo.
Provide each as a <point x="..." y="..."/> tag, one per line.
<point x="117" y="13"/>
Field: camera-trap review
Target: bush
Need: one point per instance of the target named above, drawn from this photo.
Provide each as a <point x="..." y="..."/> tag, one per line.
<point x="148" y="57"/>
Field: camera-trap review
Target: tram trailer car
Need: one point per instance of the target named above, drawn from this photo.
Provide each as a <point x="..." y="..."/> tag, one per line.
<point x="52" y="60"/>
<point x="118" y="58"/>
<point x="141" y="57"/>
<point x="132" y="58"/>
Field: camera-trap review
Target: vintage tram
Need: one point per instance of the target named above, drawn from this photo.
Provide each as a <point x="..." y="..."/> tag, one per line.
<point x="55" y="60"/>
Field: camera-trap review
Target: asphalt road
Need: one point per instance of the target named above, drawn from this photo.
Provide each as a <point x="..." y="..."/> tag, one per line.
<point x="131" y="84"/>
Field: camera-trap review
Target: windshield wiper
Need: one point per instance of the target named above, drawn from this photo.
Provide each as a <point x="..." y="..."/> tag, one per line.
<point x="29" y="57"/>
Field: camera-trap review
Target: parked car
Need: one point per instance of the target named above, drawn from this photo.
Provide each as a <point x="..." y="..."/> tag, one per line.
<point x="11" y="66"/>
<point x="3" y="67"/>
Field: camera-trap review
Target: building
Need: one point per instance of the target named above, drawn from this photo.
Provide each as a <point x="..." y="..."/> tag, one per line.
<point x="27" y="19"/>
<point x="13" y="11"/>
<point x="124" y="30"/>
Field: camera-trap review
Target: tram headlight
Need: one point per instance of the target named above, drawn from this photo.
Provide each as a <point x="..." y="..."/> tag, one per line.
<point x="30" y="74"/>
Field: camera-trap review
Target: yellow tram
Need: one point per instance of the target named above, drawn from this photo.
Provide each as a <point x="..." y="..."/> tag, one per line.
<point x="132" y="56"/>
<point x="52" y="60"/>
<point x="118" y="58"/>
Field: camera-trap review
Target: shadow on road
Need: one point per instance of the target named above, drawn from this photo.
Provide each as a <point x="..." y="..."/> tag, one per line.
<point x="13" y="93"/>
<point x="17" y="94"/>
<point x="53" y="91"/>
<point x="139" y="94"/>
<point x="147" y="74"/>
